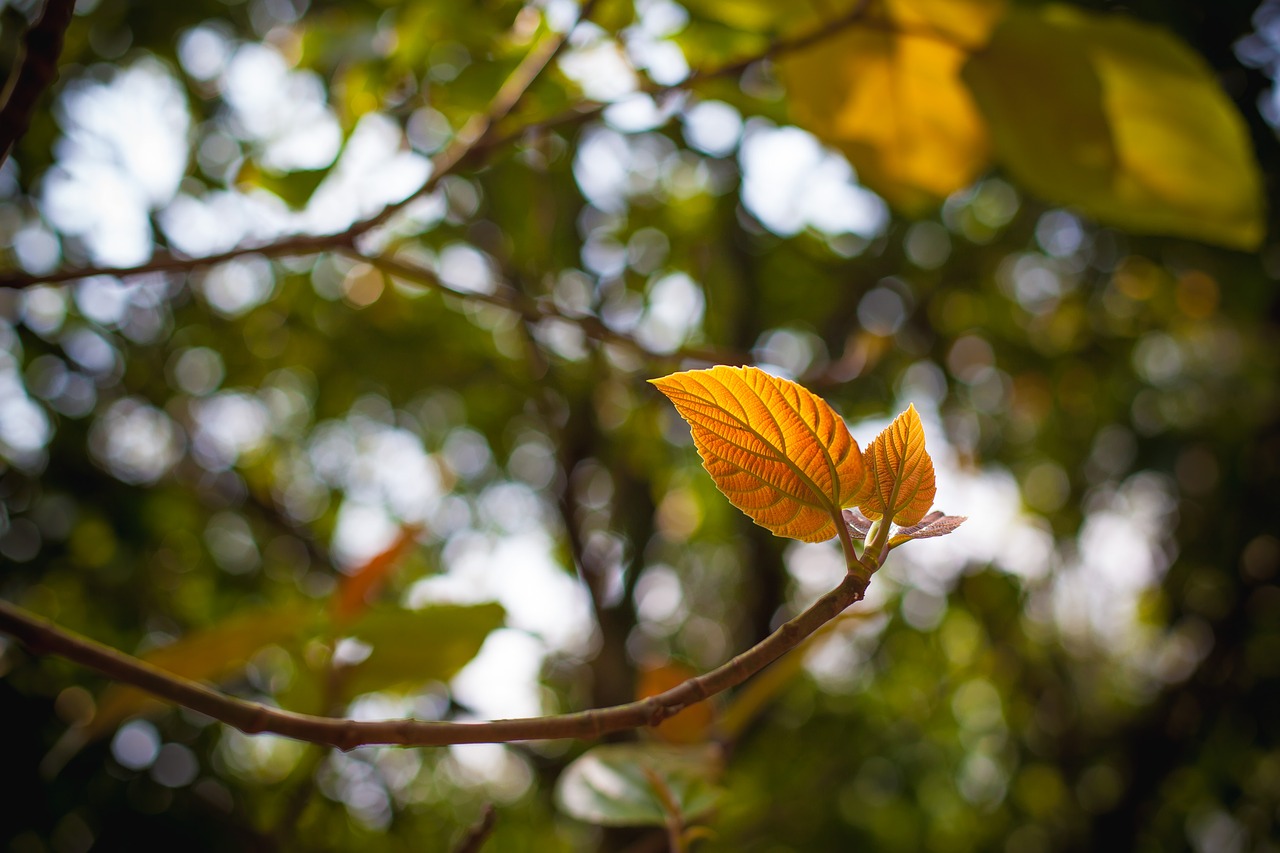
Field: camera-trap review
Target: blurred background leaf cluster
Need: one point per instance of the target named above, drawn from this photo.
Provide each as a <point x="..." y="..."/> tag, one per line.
<point x="344" y="492"/>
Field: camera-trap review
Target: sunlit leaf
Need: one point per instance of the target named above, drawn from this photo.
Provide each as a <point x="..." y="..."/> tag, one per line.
<point x="889" y="95"/>
<point x="613" y="785"/>
<point x="775" y="449"/>
<point x="209" y="654"/>
<point x="967" y="23"/>
<point x="408" y="648"/>
<point x="900" y="482"/>
<point x="1122" y="120"/>
<point x="934" y="524"/>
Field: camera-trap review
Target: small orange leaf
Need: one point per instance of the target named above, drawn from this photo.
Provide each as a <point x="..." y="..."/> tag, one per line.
<point x="355" y="591"/>
<point x="776" y="450"/>
<point x="901" y="483"/>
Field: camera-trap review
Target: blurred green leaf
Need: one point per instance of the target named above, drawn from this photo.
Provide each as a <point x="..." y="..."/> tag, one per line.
<point x="411" y="647"/>
<point x="293" y="188"/>
<point x="613" y="786"/>
<point x="1122" y="120"/>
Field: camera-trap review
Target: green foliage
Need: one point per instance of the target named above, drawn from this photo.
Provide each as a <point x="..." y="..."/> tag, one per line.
<point x="641" y="784"/>
<point x="408" y="648"/>
<point x="195" y="467"/>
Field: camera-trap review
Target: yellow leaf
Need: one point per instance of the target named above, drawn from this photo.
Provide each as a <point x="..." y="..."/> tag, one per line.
<point x="776" y="450"/>
<point x="900" y="480"/>
<point x="1122" y="120"/>
<point x="888" y="94"/>
<point x="967" y="22"/>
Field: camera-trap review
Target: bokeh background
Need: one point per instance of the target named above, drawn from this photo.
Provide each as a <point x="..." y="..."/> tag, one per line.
<point x="1091" y="662"/>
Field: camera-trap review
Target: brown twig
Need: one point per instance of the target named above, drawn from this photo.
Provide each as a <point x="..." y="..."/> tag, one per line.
<point x="587" y="110"/>
<point x="675" y="824"/>
<point x="41" y="47"/>
<point x="533" y="311"/>
<point x="476" y="138"/>
<point x="473" y="133"/>
<point x="478" y="834"/>
<point x="44" y="637"/>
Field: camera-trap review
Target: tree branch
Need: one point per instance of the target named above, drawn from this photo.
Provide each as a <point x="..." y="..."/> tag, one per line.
<point x="587" y="110"/>
<point x="467" y="142"/>
<point x="36" y="72"/>
<point x="478" y="834"/>
<point x="533" y="311"/>
<point x="477" y="138"/>
<point x="44" y="637"/>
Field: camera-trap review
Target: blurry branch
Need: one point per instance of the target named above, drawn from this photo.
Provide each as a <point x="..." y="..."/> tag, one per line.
<point x="43" y="637"/>
<point x="590" y="109"/>
<point x="478" y="834"/>
<point x="477" y="138"/>
<point x="36" y="71"/>
<point x="286" y="247"/>
<point x="534" y="311"/>
<point x="670" y="808"/>
<point x="469" y="138"/>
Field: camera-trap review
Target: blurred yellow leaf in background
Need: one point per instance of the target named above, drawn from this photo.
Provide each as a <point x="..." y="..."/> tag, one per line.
<point x="888" y="93"/>
<point x="1122" y="120"/>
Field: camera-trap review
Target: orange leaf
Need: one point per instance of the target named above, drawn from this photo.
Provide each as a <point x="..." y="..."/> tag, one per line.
<point x="356" y="589"/>
<point x="776" y="450"/>
<point x="901" y="483"/>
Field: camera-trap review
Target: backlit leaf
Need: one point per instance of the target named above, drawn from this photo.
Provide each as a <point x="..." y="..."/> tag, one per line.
<point x="967" y="23"/>
<point x="888" y="94"/>
<point x="1122" y="120"/>
<point x="933" y="524"/>
<point x="900" y="482"/>
<point x="777" y="451"/>
<point x="613" y="785"/>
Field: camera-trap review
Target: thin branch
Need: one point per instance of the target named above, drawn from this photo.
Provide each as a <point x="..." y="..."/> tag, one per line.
<point x="670" y="809"/>
<point x="478" y="834"/>
<point x="473" y="133"/>
<point x="534" y="311"/>
<point x="477" y="138"/>
<point x="44" y="637"/>
<point x="587" y="110"/>
<point x="855" y="15"/>
<point x="41" y="47"/>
